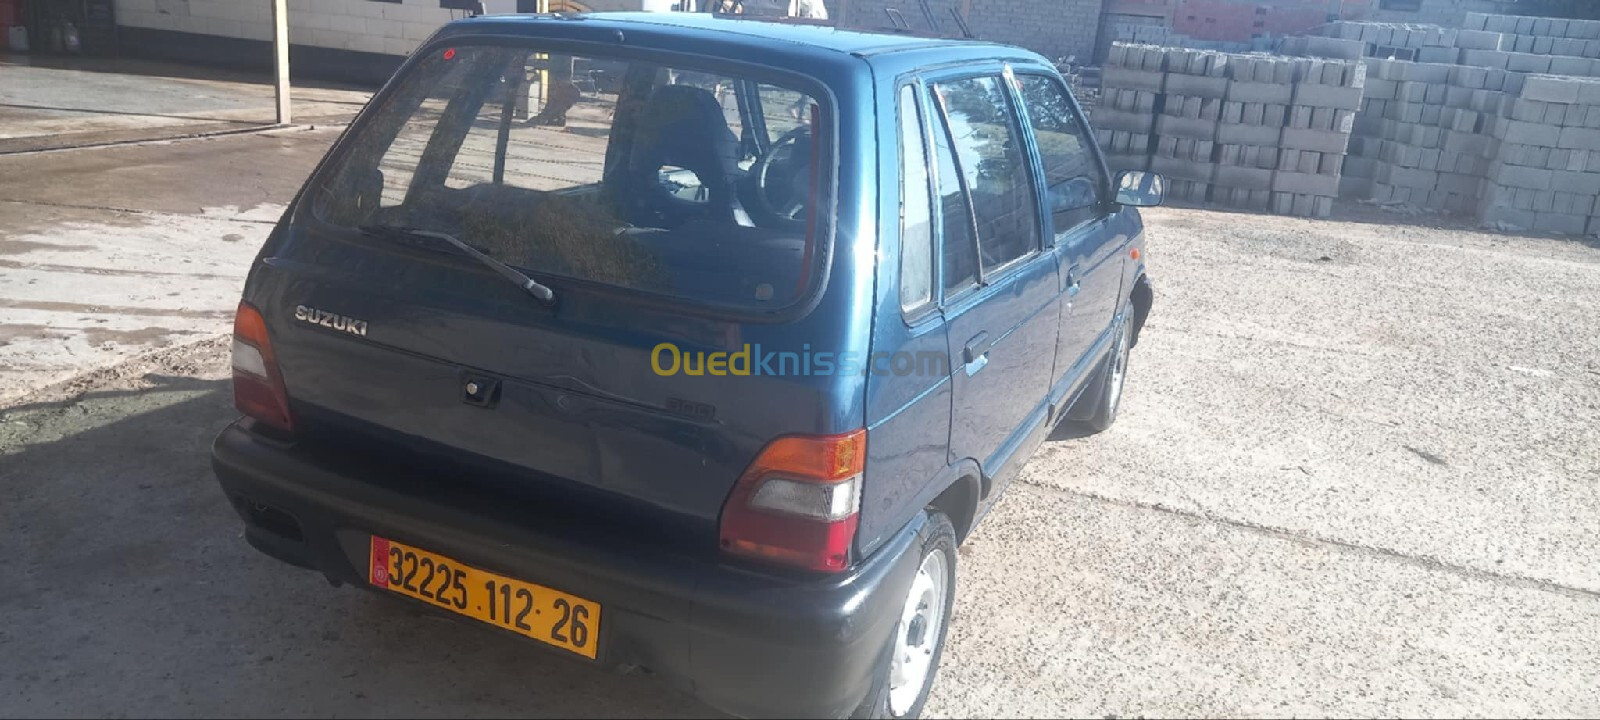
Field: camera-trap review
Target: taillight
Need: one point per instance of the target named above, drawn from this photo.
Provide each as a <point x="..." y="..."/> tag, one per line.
<point x="798" y="502"/>
<point x="257" y="384"/>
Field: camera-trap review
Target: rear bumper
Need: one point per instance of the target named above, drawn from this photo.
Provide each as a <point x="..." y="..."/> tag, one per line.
<point x="744" y="642"/>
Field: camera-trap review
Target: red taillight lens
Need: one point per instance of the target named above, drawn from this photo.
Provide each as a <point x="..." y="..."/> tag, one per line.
<point x="257" y="385"/>
<point x="798" y="502"/>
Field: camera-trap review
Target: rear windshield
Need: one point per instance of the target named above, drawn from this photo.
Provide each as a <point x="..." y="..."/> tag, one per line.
<point x="687" y="182"/>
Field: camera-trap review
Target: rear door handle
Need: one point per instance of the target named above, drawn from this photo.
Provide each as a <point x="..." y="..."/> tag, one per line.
<point x="976" y="354"/>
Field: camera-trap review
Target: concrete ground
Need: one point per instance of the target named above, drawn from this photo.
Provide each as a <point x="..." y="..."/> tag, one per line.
<point x="108" y="252"/>
<point x="54" y="101"/>
<point x="1357" y="473"/>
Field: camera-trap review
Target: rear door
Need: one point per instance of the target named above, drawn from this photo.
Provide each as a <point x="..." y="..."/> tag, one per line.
<point x="1088" y="253"/>
<point x="999" y="287"/>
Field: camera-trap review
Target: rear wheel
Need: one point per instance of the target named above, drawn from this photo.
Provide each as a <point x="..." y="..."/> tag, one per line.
<point x="911" y="660"/>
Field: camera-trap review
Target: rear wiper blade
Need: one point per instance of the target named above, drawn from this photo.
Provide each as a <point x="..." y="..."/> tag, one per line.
<point x="533" y="287"/>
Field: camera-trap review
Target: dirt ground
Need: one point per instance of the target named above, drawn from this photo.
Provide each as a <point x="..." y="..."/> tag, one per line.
<point x="1357" y="473"/>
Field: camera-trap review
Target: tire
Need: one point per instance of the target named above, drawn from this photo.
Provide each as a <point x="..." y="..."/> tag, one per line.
<point x="894" y="694"/>
<point x="1113" y="377"/>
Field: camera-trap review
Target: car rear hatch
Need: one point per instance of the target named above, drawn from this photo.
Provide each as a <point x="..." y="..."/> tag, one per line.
<point x="395" y="344"/>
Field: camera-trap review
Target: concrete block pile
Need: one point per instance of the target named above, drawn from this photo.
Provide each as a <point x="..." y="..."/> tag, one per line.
<point x="1254" y="112"/>
<point x="1145" y="32"/>
<point x="1327" y="94"/>
<point x="1131" y="81"/>
<point x="1424" y="136"/>
<point x="1400" y="41"/>
<point x="1546" y="173"/>
<point x="1186" y="126"/>
<point x="1261" y="132"/>
<point x="1504" y="42"/>
<point x="1534" y="36"/>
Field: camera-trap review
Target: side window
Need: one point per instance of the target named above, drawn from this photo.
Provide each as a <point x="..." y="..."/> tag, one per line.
<point x="989" y="150"/>
<point x="958" y="252"/>
<point x="916" y="209"/>
<point x="1072" y="176"/>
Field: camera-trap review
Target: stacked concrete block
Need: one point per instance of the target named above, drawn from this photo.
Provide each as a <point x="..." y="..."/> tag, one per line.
<point x="1249" y="131"/>
<point x="1124" y="119"/>
<point x="1254" y="112"/>
<point x="1140" y="31"/>
<point x="1322" y="47"/>
<point x="1546" y="173"/>
<point x="1423" y="138"/>
<point x="1536" y="35"/>
<point x="1131" y="83"/>
<point x="1316" y="135"/>
<point x="1532" y="45"/>
<point x="1186" y="126"/>
<point x="1403" y="41"/>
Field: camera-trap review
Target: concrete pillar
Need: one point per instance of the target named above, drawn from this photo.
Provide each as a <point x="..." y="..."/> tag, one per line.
<point x="280" y="52"/>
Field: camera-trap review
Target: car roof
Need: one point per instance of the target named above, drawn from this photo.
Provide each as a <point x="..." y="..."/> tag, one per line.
<point x="743" y="38"/>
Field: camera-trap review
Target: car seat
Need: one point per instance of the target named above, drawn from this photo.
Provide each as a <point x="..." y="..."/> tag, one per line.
<point x="683" y="126"/>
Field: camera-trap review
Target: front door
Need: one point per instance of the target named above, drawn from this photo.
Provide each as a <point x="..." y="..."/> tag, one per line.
<point x="1000" y="290"/>
<point x="1090" y="257"/>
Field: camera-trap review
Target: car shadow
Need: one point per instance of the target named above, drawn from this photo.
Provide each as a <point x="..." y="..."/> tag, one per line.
<point x="1068" y="430"/>
<point x="129" y="582"/>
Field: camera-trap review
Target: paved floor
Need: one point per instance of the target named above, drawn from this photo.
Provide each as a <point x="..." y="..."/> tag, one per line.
<point x="55" y="101"/>
<point x="112" y="251"/>
<point x="1357" y="473"/>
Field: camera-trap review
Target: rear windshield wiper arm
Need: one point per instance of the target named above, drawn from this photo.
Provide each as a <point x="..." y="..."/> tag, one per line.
<point x="531" y="286"/>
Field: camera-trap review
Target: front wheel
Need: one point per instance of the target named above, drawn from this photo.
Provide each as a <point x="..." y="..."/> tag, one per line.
<point x="1114" y="376"/>
<point x="909" y="663"/>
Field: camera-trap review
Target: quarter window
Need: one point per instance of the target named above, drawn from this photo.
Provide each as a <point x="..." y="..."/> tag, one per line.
<point x="989" y="151"/>
<point x="916" y="209"/>
<point x="958" y="254"/>
<point x="1072" y="177"/>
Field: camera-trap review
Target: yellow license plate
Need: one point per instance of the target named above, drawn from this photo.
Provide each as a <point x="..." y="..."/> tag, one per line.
<point x="544" y="614"/>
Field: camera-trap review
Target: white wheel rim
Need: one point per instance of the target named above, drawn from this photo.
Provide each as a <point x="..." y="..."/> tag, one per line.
<point x="1119" y="363"/>
<point x="917" y="636"/>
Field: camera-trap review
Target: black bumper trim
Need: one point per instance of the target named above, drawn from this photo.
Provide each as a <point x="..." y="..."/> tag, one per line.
<point x="745" y="642"/>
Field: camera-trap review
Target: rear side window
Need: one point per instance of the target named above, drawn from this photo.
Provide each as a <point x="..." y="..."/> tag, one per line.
<point x="1072" y="177"/>
<point x="916" y="209"/>
<point x="989" y="150"/>
<point x="634" y="174"/>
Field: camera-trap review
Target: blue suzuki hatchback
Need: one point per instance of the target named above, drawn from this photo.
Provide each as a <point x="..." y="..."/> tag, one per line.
<point x="684" y="343"/>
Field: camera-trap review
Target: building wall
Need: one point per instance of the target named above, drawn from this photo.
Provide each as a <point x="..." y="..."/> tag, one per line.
<point x="387" y="27"/>
<point x="358" y="41"/>
<point x="1240" y="20"/>
<point x="1053" y="28"/>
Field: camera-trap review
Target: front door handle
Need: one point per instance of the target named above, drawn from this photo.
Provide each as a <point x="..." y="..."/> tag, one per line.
<point x="976" y="354"/>
<point x="1074" y="275"/>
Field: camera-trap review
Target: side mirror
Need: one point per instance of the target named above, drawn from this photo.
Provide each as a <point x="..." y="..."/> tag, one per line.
<point x="1139" y="188"/>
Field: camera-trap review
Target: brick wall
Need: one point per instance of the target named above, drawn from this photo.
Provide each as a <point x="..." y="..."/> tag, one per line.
<point x="1239" y="20"/>
<point x="1053" y="28"/>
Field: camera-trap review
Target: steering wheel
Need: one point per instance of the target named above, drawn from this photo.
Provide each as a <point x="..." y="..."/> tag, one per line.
<point x="783" y="176"/>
